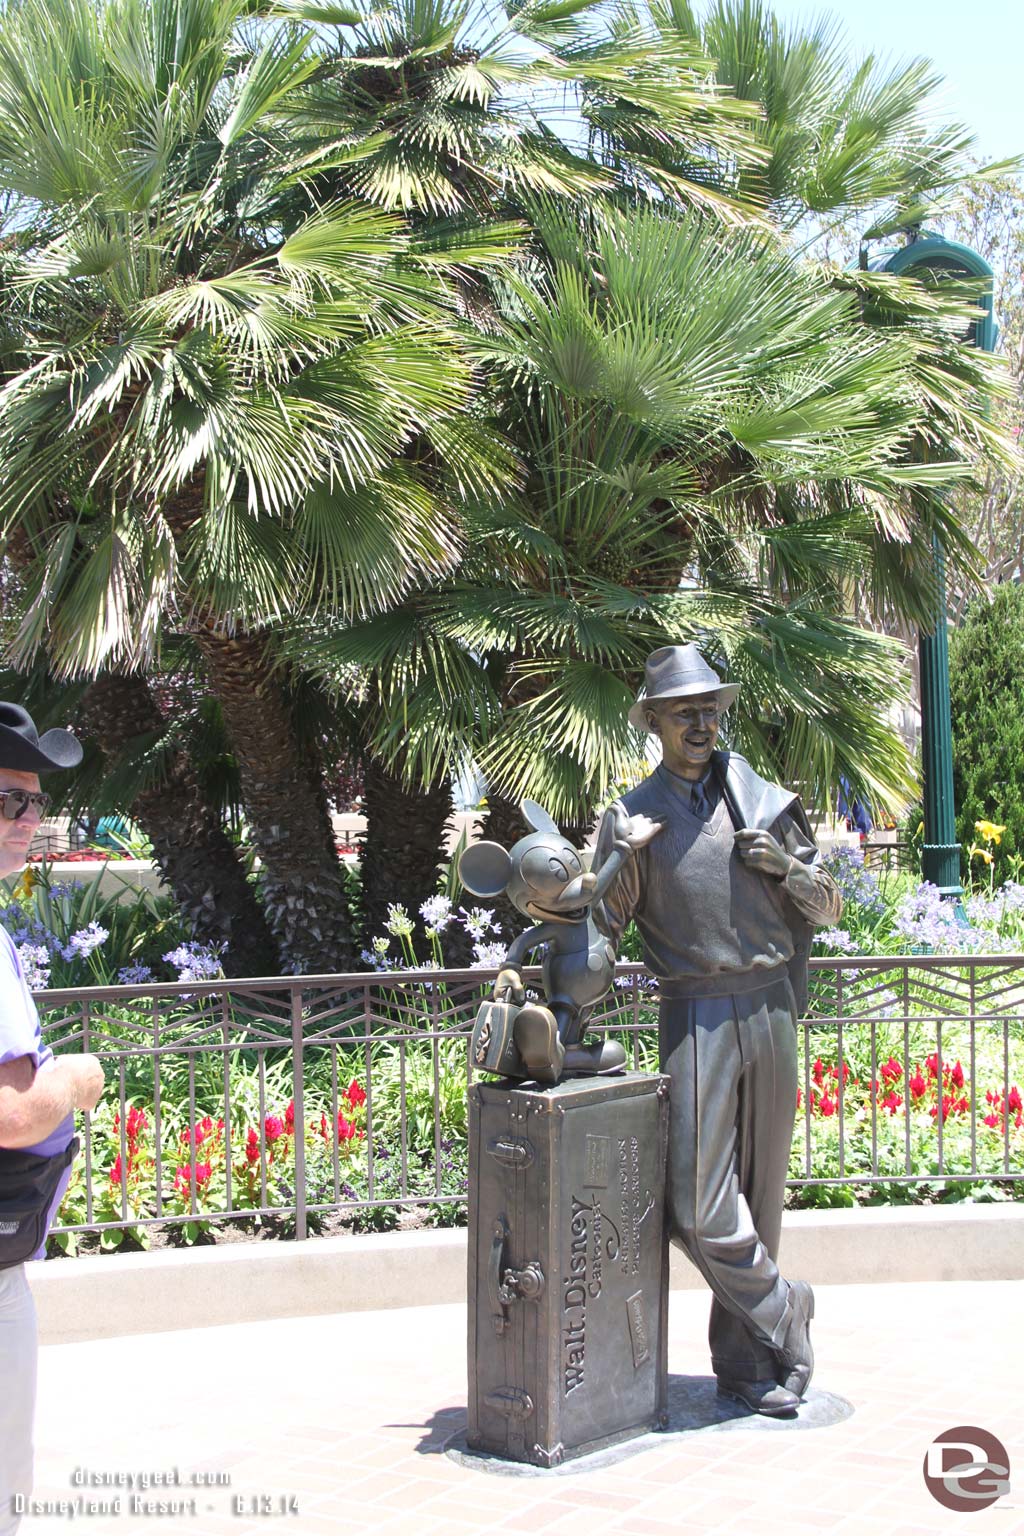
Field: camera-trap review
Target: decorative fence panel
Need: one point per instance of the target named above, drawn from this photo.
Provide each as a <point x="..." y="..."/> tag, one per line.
<point x="292" y="1100"/>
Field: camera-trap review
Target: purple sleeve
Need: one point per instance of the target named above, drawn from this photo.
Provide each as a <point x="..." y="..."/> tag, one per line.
<point x="19" y="1021"/>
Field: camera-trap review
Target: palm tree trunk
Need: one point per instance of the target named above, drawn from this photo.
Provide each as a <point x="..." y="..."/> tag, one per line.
<point x="302" y="884"/>
<point x="404" y="847"/>
<point x="195" y="856"/>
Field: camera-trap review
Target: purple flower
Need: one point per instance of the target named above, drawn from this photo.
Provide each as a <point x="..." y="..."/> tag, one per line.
<point x="134" y="975"/>
<point x="196" y="962"/>
<point x="86" y="940"/>
<point x="837" y="940"/>
<point x="858" y="885"/>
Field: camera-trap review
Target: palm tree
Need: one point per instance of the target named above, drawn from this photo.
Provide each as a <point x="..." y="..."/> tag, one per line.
<point x="719" y="441"/>
<point x="224" y="402"/>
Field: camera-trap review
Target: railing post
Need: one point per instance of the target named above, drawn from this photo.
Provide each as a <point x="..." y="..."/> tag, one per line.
<point x="298" y="1074"/>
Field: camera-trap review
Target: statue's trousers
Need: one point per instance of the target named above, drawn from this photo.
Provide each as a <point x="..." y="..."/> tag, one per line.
<point x="732" y="1061"/>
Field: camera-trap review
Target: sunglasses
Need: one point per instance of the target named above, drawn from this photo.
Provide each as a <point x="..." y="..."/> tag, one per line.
<point x="15" y="802"/>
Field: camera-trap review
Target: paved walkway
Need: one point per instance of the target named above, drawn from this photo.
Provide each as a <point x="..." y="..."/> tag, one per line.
<point x="348" y="1416"/>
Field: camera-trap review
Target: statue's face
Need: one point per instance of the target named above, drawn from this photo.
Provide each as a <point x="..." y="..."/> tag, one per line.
<point x="688" y="729"/>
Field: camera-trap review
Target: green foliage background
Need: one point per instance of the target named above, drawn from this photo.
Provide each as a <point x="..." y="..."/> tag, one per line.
<point x="986" y="674"/>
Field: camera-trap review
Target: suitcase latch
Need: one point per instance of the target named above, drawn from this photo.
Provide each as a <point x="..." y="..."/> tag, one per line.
<point x="512" y="1401"/>
<point x="511" y="1151"/>
<point x="509" y="1285"/>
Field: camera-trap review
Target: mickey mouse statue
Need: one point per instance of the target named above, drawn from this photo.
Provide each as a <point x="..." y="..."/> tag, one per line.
<point x="544" y="878"/>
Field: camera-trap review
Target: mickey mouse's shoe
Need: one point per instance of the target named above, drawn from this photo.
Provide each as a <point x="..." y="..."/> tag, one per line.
<point x="536" y="1035"/>
<point x="601" y="1056"/>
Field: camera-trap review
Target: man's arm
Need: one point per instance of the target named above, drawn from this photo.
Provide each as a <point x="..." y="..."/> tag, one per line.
<point x="33" y="1103"/>
<point x="808" y="883"/>
<point x="789" y="854"/>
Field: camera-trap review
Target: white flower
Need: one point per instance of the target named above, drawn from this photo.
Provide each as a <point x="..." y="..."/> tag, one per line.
<point x="35" y="965"/>
<point x="436" y="913"/>
<point x="489" y="957"/>
<point x="399" y="922"/>
<point x="478" y="922"/>
<point x="381" y="945"/>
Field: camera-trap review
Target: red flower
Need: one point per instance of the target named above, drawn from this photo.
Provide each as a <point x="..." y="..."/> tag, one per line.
<point x="995" y="1121"/>
<point x="273" y="1127"/>
<point x="891" y="1070"/>
<point x="893" y="1102"/>
<point x="137" y="1124"/>
<point x="827" y="1106"/>
<point x="932" y="1063"/>
<point x="252" y="1146"/>
<point x="799" y="1098"/>
<point x="346" y="1130"/>
<point x="818" y="1071"/>
<point x="1014" y="1101"/>
<point x="115" y="1172"/>
<point x="289" y="1118"/>
<point x="355" y="1094"/>
<point x="956" y="1076"/>
<point x="917" y="1085"/>
<point x="183" y="1177"/>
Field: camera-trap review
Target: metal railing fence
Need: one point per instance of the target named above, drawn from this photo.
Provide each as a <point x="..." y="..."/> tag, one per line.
<point x="290" y="1098"/>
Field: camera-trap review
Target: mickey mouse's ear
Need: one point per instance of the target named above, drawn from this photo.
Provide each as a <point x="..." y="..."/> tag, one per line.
<point x="484" y="869"/>
<point x="537" y="817"/>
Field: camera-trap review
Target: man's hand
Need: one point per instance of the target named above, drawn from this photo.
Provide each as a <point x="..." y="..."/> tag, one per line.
<point x="509" y="983"/>
<point x="761" y="851"/>
<point x="632" y="831"/>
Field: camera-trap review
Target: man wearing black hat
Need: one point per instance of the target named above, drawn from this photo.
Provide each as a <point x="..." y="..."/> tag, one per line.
<point x="726" y="899"/>
<point x="38" y="1097"/>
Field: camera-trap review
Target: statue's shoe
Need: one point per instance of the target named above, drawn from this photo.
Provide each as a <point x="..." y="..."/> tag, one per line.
<point x="601" y="1056"/>
<point x="795" y="1355"/>
<point x="536" y="1035"/>
<point x="766" y="1397"/>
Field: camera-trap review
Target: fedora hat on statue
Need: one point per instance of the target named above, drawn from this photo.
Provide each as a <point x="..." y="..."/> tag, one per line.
<point x="675" y="672"/>
<point x="22" y="747"/>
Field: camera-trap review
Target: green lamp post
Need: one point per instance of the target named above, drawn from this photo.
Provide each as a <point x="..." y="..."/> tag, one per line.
<point x="933" y="258"/>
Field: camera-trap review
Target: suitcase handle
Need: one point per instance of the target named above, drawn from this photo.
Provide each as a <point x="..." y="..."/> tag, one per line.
<point x="508" y="1285"/>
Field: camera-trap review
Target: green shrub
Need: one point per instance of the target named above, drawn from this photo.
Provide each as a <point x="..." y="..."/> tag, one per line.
<point x="986" y="672"/>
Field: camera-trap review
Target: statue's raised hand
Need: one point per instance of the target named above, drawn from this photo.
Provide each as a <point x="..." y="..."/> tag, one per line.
<point x="631" y="832"/>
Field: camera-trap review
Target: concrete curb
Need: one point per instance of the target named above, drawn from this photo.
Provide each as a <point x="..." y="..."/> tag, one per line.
<point x="119" y="1294"/>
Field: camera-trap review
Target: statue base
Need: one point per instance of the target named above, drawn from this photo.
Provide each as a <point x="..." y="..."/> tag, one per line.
<point x="694" y="1409"/>
<point x="568" y="1266"/>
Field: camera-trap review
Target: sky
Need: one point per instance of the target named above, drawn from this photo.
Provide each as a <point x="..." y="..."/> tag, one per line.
<point x="977" y="45"/>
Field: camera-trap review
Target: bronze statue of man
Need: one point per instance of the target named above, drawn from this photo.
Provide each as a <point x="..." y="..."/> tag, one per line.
<point x="726" y="899"/>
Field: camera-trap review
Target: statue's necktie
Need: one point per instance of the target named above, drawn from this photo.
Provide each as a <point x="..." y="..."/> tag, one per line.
<point x="699" y="803"/>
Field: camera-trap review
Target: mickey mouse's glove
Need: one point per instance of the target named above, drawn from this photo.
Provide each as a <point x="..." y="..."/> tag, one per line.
<point x="509" y="984"/>
<point x="631" y="832"/>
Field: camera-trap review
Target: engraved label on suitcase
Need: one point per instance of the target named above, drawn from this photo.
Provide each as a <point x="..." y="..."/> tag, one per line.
<point x="638" y="1329"/>
<point x="575" y="1291"/>
<point x="599" y="1158"/>
<point x="637" y="1204"/>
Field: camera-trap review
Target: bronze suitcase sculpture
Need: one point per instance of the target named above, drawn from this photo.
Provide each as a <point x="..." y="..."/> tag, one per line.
<point x="568" y="1265"/>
